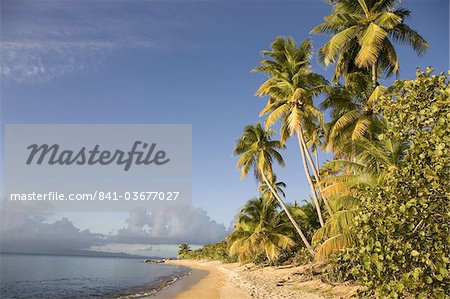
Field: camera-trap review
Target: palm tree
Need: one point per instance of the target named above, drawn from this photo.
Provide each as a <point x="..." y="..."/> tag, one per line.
<point x="310" y="221"/>
<point x="363" y="32"/>
<point x="183" y="249"/>
<point x="278" y="186"/>
<point x="291" y="87"/>
<point x="315" y="142"/>
<point x="260" y="227"/>
<point x="257" y="150"/>
<point x="375" y="160"/>
<point x="352" y="113"/>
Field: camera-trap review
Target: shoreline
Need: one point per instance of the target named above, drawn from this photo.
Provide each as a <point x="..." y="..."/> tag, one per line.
<point x="214" y="280"/>
<point x="152" y="289"/>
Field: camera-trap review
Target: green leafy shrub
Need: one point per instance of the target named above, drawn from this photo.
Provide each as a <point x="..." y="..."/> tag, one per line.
<point x="259" y="258"/>
<point x="297" y="256"/>
<point x="403" y="225"/>
<point x="302" y="257"/>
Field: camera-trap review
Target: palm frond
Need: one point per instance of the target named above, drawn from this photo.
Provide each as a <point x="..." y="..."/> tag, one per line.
<point x="334" y="245"/>
<point x="338" y="223"/>
<point x="371" y="45"/>
<point x="403" y="34"/>
<point x="328" y="53"/>
<point x="361" y="127"/>
<point x="388" y="20"/>
<point x="343" y="121"/>
<point x="363" y="5"/>
<point x="343" y="202"/>
<point x="377" y="93"/>
<point x="275" y="115"/>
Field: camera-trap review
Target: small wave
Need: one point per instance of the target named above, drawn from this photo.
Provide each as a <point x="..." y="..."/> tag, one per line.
<point x="155" y="287"/>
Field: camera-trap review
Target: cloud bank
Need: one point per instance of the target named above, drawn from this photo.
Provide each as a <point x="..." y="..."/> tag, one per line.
<point x="20" y="232"/>
<point x="29" y="233"/>
<point x="170" y="226"/>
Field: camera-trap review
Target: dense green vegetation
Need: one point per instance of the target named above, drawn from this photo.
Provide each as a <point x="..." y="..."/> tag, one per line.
<point x="379" y="211"/>
<point x="403" y="232"/>
<point x="213" y="252"/>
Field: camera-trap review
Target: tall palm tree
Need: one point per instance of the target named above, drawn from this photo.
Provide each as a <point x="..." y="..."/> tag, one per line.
<point x="257" y="150"/>
<point x="363" y="32"/>
<point x="291" y="87"/>
<point x="259" y="227"/>
<point x="278" y="186"/>
<point x="315" y="142"/>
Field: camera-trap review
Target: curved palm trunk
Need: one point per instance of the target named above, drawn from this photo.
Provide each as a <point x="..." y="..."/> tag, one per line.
<point x="308" y="176"/>
<point x="316" y="175"/>
<point x="297" y="228"/>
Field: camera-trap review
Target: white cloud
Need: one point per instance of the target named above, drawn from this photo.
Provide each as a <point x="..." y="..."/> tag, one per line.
<point x="172" y="225"/>
<point x="42" y="61"/>
<point x="147" y="233"/>
<point x="29" y="233"/>
<point x="40" y="43"/>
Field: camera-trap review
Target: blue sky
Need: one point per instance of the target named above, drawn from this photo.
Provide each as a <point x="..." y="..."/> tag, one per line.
<point x="171" y="62"/>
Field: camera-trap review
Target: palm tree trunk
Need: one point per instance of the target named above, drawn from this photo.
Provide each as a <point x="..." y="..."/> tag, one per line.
<point x="316" y="157"/>
<point x="297" y="228"/>
<point x="374" y="75"/>
<point x="308" y="176"/>
<point x="316" y="174"/>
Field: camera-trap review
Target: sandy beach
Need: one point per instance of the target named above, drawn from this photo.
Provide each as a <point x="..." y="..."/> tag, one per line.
<point x="216" y="280"/>
<point x="208" y="280"/>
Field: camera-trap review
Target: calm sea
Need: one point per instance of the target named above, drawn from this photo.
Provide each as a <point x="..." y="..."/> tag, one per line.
<point x="48" y="276"/>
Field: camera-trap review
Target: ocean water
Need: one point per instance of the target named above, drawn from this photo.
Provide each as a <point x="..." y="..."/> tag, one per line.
<point x="49" y="276"/>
